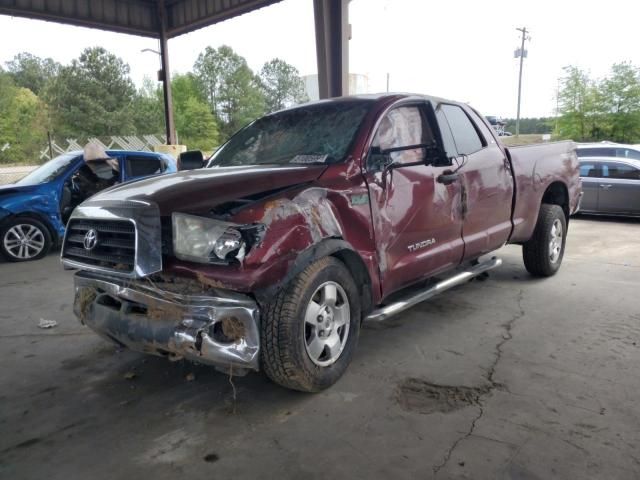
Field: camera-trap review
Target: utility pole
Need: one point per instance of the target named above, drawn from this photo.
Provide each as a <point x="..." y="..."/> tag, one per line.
<point x="522" y="53"/>
<point x="387" y="82"/>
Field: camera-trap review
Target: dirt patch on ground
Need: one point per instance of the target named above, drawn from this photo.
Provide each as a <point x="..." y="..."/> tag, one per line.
<point x="416" y="395"/>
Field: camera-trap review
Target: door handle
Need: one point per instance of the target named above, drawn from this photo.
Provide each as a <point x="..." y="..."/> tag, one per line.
<point x="606" y="187"/>
<point x="447" y="178"/>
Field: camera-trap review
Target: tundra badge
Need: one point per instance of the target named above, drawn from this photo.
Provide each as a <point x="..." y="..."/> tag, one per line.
<point x="422" y="244"/>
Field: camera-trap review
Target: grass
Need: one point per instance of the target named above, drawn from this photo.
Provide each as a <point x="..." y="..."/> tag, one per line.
<point x="525" y="139"/>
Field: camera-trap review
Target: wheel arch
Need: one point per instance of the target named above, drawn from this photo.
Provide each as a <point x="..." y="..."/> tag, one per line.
<point x="557" y="193"/>
<point x="335" y="247"/>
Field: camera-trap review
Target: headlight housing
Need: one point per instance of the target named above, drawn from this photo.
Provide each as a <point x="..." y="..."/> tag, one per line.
<point x="206" y="240"/>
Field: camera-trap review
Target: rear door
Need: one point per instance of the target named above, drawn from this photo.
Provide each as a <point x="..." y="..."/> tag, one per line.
<point x="619" y="189"/>
<point x="485" y="179"/>
<point x="590" y="173"/>
<point x="416" y="219"/>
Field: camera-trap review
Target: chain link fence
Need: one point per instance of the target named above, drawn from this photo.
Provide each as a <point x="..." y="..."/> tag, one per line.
<point x="13" y="174"/>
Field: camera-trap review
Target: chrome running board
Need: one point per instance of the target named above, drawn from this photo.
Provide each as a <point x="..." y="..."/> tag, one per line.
<point x="409" y="301"/>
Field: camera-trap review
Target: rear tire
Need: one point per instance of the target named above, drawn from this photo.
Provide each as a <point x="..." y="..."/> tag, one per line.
<point x="310" y="330"/>
<point x="543" y="252"/>
<point x="23" y="239"/>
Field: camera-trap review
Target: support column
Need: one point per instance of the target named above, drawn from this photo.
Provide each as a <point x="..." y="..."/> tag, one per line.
<point x="332" y="46"/>
<point x="166" y="76"/>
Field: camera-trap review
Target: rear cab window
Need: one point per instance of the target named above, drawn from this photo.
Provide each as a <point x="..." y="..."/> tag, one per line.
<point x="465" y="135"/>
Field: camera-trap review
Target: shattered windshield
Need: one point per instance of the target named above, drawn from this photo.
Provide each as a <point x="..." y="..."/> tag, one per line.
<point x="49" y="171"/>
<point x="314" y="134"/>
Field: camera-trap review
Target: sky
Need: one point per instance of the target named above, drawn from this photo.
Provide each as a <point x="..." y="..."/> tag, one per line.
<point x="457" y="49"/>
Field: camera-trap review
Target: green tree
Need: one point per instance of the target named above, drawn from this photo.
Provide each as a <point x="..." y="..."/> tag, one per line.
<point x="32" y="72"/>
<point x="93" y="96"/>
<point x="230" y="88"/>
<point x="148" y="108"/>
<point x="620" y="95"/>
<point x="22" y="123"/>
<point x="576" y="104"/>
<point x="196" y="126"/>
<point x="282" y="85"/>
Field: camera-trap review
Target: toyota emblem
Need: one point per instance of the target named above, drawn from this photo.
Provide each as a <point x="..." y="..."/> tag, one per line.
<point x="90" y="240"/>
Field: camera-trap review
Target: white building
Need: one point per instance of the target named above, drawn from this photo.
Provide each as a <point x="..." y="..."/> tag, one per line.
<point x="358" y="83"/>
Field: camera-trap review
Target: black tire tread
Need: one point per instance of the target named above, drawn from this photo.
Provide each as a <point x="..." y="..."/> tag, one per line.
<point x="277" y="357"/>
<point x="534" y="251"/>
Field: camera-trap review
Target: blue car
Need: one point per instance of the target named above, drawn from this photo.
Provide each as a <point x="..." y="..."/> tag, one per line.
<point x="35" y="210"/>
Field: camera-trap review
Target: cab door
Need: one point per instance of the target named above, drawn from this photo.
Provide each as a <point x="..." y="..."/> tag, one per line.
<point x="485" y="178"/>
<point x="590" y="173"/>
<point x="416" y="218"/>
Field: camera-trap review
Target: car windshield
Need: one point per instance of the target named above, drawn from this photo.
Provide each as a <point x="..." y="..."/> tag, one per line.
<point x="49" y="171"/>
<point x="313" y="134"/>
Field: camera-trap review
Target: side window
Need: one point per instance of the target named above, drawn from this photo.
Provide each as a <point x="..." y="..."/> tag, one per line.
<point x="402" y="127"/>
<point x="627" y="153"/>
<point x="447" y="136"/>
<point x="596" y="152"/>
<point x="142" y="166"/>
<point x="622" y="171"/>
<point x="464" y="133"/>
<point x="588" y="170"/>
<point x="484" y="130"/>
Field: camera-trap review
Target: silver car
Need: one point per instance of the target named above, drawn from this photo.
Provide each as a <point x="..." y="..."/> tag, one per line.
<point x="611" y="186"/>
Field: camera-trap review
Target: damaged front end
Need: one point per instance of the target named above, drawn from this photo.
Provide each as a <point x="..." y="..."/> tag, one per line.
<point x="219" y="328"/>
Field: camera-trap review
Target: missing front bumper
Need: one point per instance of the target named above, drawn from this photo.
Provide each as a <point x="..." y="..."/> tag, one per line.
<point x="219" y="329"/>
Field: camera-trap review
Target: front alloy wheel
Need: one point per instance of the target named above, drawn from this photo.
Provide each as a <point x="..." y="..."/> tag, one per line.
<point x="327" y="324"/>
<point x="309" y="330"/>
<point x="25" y="239"/>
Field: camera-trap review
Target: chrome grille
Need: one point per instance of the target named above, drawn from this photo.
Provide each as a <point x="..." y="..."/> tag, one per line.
<point x="115" y="244"/>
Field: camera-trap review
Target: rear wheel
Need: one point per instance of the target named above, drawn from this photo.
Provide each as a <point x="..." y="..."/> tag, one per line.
<point x="24" y="239"/>
<point x="543" y="252"/>
<point x="310" y="330"/>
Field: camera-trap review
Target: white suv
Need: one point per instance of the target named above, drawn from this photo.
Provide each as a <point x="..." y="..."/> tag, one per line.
<point x="608" y="149"/>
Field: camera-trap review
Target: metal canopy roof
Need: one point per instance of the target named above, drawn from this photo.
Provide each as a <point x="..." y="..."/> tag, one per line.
<point x="137" y="17"/>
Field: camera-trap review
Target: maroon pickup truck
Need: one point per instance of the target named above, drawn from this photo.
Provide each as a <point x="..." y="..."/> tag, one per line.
<point x="308" y="222"/>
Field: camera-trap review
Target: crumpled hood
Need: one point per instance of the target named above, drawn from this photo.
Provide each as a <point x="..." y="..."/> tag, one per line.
<point x="197" y="191"/>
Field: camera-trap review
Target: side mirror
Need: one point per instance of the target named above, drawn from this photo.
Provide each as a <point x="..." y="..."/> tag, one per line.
<point x="191" y="160"/>
<point x="433" y="155"/>
<point x="378" y="159"/>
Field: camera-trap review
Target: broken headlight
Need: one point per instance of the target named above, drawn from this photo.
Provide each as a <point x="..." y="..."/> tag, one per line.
<point x="205" y="240"/>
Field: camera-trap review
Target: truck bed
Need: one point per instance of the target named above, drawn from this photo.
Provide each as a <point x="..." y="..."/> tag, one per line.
<point x="535" y="169"/>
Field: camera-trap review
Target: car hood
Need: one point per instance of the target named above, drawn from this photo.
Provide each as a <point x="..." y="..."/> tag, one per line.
<point x="6" y="190"/>
<point x="198" y="191"/>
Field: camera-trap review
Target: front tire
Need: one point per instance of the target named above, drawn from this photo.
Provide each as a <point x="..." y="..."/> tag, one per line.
<point x="23" y="239"/>
<point x="543" y="252"/>
<point x="310" y="330"/>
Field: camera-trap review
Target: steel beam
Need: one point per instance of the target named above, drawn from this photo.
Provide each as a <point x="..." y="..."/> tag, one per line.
<point x="166" y="75"/>
<point x="332" y="46"/>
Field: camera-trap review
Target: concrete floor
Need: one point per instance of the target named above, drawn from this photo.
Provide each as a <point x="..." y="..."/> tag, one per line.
<point x="552" y="369"/>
